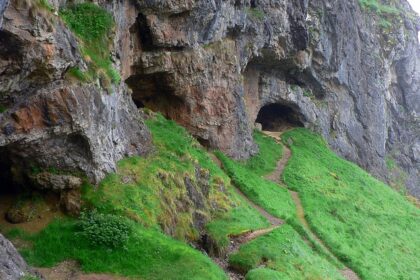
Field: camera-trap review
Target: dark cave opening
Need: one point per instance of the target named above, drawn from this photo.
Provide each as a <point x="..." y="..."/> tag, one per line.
<point x="203" y="142"/>
<point x="278" y="117"/>
<point x="146" y="38"/>
<point x="8" y="183"/>
<point x="154" y="92"/>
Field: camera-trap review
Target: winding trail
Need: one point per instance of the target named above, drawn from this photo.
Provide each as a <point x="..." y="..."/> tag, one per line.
<point x="276" y="177"/>
<point x="238" y="240"/>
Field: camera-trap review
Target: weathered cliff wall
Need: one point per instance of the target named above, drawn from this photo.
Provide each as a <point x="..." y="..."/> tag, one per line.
<point x="49" y="120"/>
<point x="346" y="71"/>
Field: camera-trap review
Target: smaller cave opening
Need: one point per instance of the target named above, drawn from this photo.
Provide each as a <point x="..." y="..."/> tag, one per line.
<point x="204" y="142"/>
<point x="279" y="117"/>
<point x="146" y="37"/>
<point x="155" y="92"/>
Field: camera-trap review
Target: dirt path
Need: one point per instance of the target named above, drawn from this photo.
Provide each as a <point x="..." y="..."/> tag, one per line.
<point x="276" y="176"/>
<point x="237" y="241"/>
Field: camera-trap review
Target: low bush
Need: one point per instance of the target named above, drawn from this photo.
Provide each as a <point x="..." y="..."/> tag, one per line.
<point x="106" y="230"/>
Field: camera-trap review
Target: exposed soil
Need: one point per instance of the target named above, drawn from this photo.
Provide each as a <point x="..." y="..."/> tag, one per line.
<point x="275" y="176"/>
<point x="47" y="211"/>
<point x="70" y="270"/>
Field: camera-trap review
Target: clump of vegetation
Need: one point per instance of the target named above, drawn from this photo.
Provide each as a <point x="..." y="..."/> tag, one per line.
<point x="255" y="13"/>
<point x="92" y="25"/>
<point x="241" y="218"/>
<point x="106" y="230"/>
<point x="283" y="255"/>
<point x="78" y="74"/>
<point x="29" y="277"/>
<point x="2" y="109"/>
<point x="370" y="227"/>
<point x="45" y="4"/>
<point x="388" y="14"/>
<point x="378" y="7"/>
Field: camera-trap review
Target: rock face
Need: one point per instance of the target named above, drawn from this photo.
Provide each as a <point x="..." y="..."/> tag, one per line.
<point x="50" y="121"/>
<point x="12" y="266"/>
<point x="335" y="67"/>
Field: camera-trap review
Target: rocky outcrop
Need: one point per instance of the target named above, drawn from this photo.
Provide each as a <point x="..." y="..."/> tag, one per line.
<point x="12" y="266"/>
<point x="341" y="69"/>
<point x="344" y="70"/>
<point x="48" y="120"/>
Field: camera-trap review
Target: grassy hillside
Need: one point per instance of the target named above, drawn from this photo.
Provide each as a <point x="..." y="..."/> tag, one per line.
<point x="150" y="194"/>
<point x="282" y="254"/>
<point x="372" y="228"/>
<point x="146" y="214"/>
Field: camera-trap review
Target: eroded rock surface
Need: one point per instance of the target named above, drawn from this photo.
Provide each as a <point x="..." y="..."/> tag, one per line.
<point x="49" y="121"/>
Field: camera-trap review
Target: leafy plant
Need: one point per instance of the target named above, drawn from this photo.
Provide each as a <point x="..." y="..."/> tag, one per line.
<point x="104" y="229"/>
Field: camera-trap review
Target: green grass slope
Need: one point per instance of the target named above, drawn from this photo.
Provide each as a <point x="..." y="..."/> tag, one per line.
<point x="269" y="153"/>
<point x="369" y="226"/>
<point x="274" y="199"/>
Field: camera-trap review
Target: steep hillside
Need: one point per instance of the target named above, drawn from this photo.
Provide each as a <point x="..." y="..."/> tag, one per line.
<point x="195" y="139"/>
<point x="352" y="224"/>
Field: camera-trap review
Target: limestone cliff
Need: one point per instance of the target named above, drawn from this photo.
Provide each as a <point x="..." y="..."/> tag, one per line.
<point x="344" y="69"/>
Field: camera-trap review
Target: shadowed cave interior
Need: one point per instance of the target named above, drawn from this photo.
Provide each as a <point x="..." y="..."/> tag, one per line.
<point x="278" y="117"/>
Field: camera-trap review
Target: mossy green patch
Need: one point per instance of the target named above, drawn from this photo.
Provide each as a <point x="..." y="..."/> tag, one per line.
<point x="284" y="255"/>
<point x="93" y="25"/>
<point x="255" y="13"/>
<point x="2" y="109"/>
<point x="369" y="226"/>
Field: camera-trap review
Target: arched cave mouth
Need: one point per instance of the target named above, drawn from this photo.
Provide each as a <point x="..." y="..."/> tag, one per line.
<point x="279" y="117"/>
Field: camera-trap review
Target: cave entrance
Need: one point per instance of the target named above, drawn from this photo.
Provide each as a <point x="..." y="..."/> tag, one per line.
<point x="8" y="183"/>
<point x="278" y="117"/>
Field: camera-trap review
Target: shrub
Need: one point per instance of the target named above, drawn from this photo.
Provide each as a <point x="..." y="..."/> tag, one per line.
<point x="106" y="230"/>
